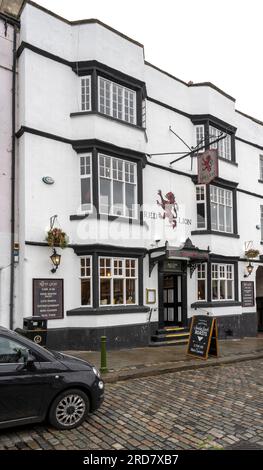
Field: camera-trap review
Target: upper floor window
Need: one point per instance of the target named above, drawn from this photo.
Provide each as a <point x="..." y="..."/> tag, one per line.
<point x="85" y="89"/>
<point x="85" y="276"/>
<point x="116" y="101"/>
<point x="223" y="146"/>
<point x="200" y="136"/>
<point x="117" y="187"/>
<point x="85" y="182"/>
<point x="118" y="281"/>
<point x="201" y="206"/>
<point x="261" y="167"/>
<point x="221" y="201"/>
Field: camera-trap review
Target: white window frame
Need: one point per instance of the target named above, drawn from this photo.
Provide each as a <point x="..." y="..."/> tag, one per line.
<point x="215" y="199"/>
<point x="200" y="129"/>
<point x="116" y="276"/>
<point x="203" y="201"/>
<point x="86" y="105"/>
<point x="261" y="221"/>
<point x="203" y="272"/>
<point x="223" y="146"/>
<point x="222" y="278"/>
<point x="90" y="277"/>
<point x="131" y="119"/>
<point x="111" y="179"/>
<point x="261" y="167"/>
<point x="86" y="176"/>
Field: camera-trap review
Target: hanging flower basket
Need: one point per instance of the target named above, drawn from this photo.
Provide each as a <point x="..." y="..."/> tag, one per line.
<point x="57" y="238"/>
<point x="251" y="253"/>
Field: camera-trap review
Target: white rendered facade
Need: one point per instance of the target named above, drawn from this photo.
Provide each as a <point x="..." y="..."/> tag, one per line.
<point x="62" y="119"/>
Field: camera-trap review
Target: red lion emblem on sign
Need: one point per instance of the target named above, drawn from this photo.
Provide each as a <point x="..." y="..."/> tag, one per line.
<point x="207" y="163"/>
<point x="170" y="207"/>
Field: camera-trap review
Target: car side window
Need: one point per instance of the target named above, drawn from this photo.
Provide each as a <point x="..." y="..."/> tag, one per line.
<point x="11" y="351"/>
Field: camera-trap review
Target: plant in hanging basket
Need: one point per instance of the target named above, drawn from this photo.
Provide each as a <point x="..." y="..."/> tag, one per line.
<point x="251" y="253"/>
<point x="57" y="238"/>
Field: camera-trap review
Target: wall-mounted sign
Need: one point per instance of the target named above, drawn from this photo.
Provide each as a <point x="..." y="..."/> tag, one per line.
<point x="247" y="293"/>
<point x="203" y="337"/>
<point x="207" y="166"/>
<point x="48" y="298"/>
<point x="169" y="206"/>
<point x="48" y="180"/>
<point x="150" y="296"/>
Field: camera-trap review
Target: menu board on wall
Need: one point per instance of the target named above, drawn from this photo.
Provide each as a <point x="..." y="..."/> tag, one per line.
<point x="203" y="337"/>
<point x="247" y="293"/>
<point x="48" y="298"/>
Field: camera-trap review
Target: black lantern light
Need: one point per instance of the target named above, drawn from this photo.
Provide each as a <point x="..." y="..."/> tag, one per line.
<point x="249" y="269"/>
<point x="55" y="258"/>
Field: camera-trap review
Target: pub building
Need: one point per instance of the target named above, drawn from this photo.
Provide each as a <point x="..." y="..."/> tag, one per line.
<point x="147" y="245"/>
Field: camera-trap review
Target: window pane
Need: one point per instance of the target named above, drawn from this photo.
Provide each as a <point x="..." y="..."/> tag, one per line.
<point x="85" y="292"/>
<point x="229" y="219"/>
<point x="118" y="198"/>
<point x="105" y="195"/>
<point x="130" y="291"/>
<point x="105" y="291"/>
<point x="118" y="291"/>
<point x="222" y="290"/>
<point x="201" y="289"/>
<point x="230" y="289"/>
<point x="200" y="215"/>
<point x="130" y="199"/>
<point x="10" y="351"/>
<point x="221" y="218"/>
<point x="214" y="290"/>
<point x="214" y="216"/>
<point x="85" y="193"/>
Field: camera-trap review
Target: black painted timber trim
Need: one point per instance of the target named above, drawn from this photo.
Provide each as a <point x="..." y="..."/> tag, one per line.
<point x="124" y="309"/>
<point x="222" y="125"/>
<point x="248" y="142"/>
<point x="216" y="304"/>
<point x="112" y="250"/>
<point x="214" y="232"/>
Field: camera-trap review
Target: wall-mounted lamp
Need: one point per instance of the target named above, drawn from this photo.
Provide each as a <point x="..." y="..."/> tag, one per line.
<point x="55" y="258"/>
<point x="249" y="269"/>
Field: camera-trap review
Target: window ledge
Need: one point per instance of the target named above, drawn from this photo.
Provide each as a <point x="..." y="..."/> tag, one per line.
<point x="213" y="232"/>
<point x="97" y="113"/>
<point x="108" y="310"/>
<point x="109" y="218"/>
<point x="231" y="162"/>
<point x="216" y="303"/>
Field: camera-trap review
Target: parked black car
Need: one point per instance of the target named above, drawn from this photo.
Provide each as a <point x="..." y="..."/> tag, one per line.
<point x="36" y="384"/>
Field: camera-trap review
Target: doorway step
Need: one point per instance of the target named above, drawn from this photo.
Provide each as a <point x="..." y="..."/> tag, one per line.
<point x="170" y="335"/>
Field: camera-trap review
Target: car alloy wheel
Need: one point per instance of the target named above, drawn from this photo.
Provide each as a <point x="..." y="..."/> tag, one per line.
<point x="70" y="410"/>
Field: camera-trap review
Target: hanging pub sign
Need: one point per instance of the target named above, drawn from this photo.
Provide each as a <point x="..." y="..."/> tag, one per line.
<point x="203" y="337"/>
<point x="207" y="166"/>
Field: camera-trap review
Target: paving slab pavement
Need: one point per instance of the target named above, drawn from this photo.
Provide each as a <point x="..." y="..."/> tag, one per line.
<point x="141" y="362"/>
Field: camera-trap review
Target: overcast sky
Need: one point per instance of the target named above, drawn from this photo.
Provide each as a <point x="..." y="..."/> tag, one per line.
<point x="202" y="40"/>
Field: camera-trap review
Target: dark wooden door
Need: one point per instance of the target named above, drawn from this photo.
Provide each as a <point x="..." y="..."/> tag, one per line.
<point x="172" y="299"/>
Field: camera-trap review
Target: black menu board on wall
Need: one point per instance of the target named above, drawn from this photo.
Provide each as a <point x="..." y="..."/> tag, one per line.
<point x="48" y="298"/>
<point x="247" y="293"/>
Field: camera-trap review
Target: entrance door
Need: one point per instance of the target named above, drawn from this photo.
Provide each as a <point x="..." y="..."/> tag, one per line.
<point x="172" y="299"/>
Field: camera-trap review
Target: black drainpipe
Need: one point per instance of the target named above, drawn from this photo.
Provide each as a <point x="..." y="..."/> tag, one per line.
<point x="13" y="175"/>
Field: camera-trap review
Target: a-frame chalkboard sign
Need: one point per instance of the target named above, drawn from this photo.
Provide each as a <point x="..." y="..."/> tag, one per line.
<point x="203" y="337"/>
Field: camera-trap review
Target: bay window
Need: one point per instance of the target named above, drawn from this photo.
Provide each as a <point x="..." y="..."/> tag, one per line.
<point x="118" y="281"/>
<point x="117" y="187"/>
<point x="215" y="282"/>
<point x="223" y="146"/>
<point x="86" y="276"/>
<point x="116" y="100"/>
<point x="85" y="97"/>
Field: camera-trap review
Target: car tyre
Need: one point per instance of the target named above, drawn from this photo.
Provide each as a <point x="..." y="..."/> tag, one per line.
<point x="69" y="409"/>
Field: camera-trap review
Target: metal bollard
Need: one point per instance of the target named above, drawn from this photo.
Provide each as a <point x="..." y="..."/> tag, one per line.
<point x="103" y="354"/>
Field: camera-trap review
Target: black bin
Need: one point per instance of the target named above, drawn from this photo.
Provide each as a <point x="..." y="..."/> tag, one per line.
<point x="35" y="328"/>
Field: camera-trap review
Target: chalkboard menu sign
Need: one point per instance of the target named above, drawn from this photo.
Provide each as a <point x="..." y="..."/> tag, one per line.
<point x="247" y="293"/>
<point x="48" y="298"/>
<point x="203" y="337"/>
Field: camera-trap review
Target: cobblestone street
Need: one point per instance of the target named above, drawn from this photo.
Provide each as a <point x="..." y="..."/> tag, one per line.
<point x="217" y="407"/>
